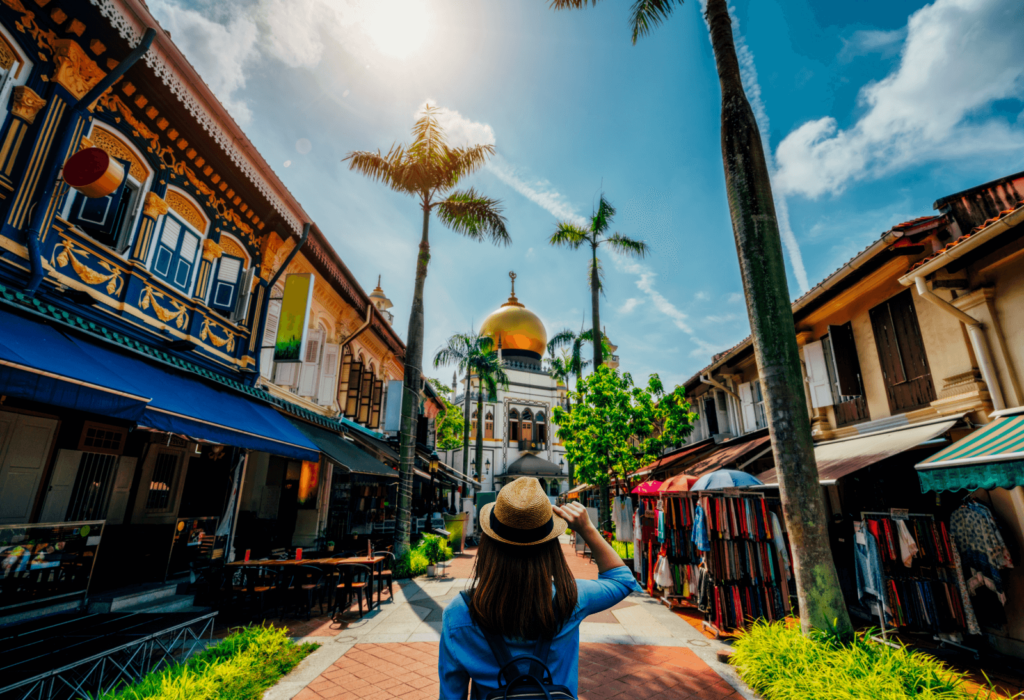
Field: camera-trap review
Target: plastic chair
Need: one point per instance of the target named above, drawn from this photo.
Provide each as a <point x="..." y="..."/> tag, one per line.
<point x="355" y="579"/>
<point x="386" y="576"/>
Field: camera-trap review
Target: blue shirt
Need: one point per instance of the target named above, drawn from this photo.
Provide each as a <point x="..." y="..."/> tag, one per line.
<point x="465" y="654"/>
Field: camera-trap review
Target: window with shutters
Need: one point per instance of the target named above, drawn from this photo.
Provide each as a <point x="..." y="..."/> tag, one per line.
<point x="93" y="484"/>
<point x="269" y="336"/>
<point x="541" y="428"/>
<point x="227" y="281"/>
<point x="365" y="395"/>
<point x="309" y="373"/>
<point x="908" y="379"/>
<point x="376" y="400"/>
<point x="15" y="70"/>
<point x="328" y="375"/>
<point x="177" y="254"/>
<point x="355" y="381"/>
<point x="513" y="425"/>
<point x="489" y="425"/>
<point x="760" y="416"/>
<point x="526" y="426"/>
<point x="711" y="412"/>
<point x="345" y="376"/>
<point x="109" y="220"/>
<point x="843" y="368"/>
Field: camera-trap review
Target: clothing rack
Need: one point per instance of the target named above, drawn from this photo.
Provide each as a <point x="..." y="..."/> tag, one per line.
<point x="883" y="639"/>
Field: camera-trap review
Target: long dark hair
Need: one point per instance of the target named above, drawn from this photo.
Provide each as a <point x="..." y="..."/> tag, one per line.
<point x="512" y="589"/>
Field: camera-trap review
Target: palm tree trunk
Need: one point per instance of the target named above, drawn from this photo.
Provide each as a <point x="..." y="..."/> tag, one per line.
<point x="479" y="428"/>
<point x="595" y="314"/>
<point x="771" y="321"/>
<point x="465" y="422"/>
<point x="411" y="393"/>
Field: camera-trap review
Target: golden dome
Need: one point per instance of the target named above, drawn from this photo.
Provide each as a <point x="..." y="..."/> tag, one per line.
<point x="516" y="327"/>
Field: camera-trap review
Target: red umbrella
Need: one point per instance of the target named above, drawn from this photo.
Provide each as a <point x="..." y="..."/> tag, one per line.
<point x="648" y="488"/>
<point x="678" y="483"/>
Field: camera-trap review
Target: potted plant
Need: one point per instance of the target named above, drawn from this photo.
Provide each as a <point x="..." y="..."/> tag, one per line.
<point x="330" y="545"/>
<point x="435" y="550"/>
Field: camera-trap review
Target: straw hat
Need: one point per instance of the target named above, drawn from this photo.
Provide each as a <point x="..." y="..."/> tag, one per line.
<point x="522" y="515"/>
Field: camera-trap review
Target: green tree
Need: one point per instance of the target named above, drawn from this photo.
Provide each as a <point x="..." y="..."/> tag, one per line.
<point x="476" y="355"/>
<point x="570" y="235"/>
<point x="762" y="266"/>
<point x="449" y="424"/>
<point x="429" y="169"/>
<point x="616" y="427"/>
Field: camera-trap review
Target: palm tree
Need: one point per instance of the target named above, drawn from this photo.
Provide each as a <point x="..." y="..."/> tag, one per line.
<point x="429" y="169"/>
<point x="569" y="235"/>
<point x="759" y="247"/>
<point x="475" y="354"/>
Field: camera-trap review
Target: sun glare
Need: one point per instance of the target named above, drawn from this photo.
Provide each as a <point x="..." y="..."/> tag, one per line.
<point x="397" y="28"/>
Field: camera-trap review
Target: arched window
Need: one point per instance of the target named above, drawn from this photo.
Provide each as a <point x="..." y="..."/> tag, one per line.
<point x="542" y="428"/>
<point x="489" y="425"/>
<point x="175" y="256"/>
<point x="232" y="280"/>
<point x="526" y="428"/>
<point x="513" y="425"/>
<point x="112" y="220"/>
<point x="472" y="426"/>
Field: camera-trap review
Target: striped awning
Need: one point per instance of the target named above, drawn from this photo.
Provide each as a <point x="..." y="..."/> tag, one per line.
<point x="990" y="457"/>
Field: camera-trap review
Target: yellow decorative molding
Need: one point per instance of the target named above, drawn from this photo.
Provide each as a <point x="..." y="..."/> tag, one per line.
<point x="230" y="247"/>
<point x="65" y="252"/>
<point x="187" y="210"/>
<point x="85" y="143"/>
<point x="26" y="103"/>
<point x="155" y="206"/>
<point x="149" y="297"/>
<point x="116" y="148"/>
<point x="206" y="333"/>
<point x="7" y="54"/>
<point x="76" y="72"/>
<point x="27" y="25"/>
<point x="211" y="250"/>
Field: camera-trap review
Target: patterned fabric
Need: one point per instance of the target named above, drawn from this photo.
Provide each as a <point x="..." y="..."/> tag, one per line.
<point x="972" y="620"/>
<point x="700" y="530"/>
<point x="981" y="546"/>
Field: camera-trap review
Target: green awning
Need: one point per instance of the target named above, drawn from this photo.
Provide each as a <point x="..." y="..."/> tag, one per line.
<point x="990" y="457"/>
<point x="345" y="453"/>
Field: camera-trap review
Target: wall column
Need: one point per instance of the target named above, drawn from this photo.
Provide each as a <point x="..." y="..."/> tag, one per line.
<point x="153" y="209"/>
<point x="25" y="105"/>
<point x="211" y="251"/>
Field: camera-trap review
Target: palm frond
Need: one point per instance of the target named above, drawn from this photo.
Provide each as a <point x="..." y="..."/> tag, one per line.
<point x="380" y="167"/>
<point x="602" y="217"/>
<point x="456" y="351"/>
<point x="461" y="162"/>
<point x="569" y="235"/>
<point x="563" y="338"/>
<point x="645" y="15"/>
<point x="628" y="246"/>
<point x="474" y="216"/>
<point x="429" y="141"/>
<point x="571" y="4"/>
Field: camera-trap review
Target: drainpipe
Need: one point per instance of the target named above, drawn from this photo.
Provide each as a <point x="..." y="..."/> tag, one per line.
<point x="706" y="379"/>
<point x="291" y="255"/>
<point x="978" y="340"/>
<point x="35" y="261"/>
<point x="358" y="331"/>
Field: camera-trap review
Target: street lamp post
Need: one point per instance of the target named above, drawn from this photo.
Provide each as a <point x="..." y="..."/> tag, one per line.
<point x="433" y="466"/>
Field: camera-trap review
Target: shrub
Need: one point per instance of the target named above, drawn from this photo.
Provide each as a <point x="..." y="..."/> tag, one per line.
<point x="780" y="663"/>
<point x="241" y="667"/>
<point x="435" y="548"/>
<point x="412" y="563"/>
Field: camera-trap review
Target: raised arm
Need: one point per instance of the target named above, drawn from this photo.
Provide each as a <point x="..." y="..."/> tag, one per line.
<point x="578" y="519"/>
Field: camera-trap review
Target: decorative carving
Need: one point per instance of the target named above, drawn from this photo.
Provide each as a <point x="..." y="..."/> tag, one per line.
<point x="67" y="253"/>
<point x="206" y="333"/>
<point x="26" y="103"/>
<point x="149" y="298"/>
<point x="154" y="207"/>
<point x="7" y="55"/>
<point x="232" y="248"/>
<point x="85" y="143"/>
<point x="186" y="209"/>
<point x="116" y="148"/>
<point x="75" y="70"/>
<point x="27" y="24"/>
<point x="211" y="250"/>
<point x="963" y="392"/>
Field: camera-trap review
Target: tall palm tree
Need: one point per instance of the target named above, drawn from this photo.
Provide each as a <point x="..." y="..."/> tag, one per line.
<point x="759" y="247"/>
<point x="429" y="169"/>
<point x="476" y="355"/>
<point x="569" y="235"/>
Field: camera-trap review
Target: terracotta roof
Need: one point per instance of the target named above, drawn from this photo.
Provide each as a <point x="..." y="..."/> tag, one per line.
<point x="675" y="457"/>
<point x="913" y="223"/>
<point x="953" y="244"/>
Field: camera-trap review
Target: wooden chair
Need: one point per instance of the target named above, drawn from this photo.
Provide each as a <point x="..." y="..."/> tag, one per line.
<point x="306" y="583"/>
<point x="387" y="575"/>
<point x="354" y="579"/>
<point x="260" y="585"/>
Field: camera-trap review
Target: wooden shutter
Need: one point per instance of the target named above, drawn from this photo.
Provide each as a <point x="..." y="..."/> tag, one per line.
<point x="352" y="400"/>
<point x="817" y="375"/>
<point x="343" y="378"/>
<point x="309" y="374"/>
<point x="167" y="247"/>
<point x="269" y="336"/>
<point x="286" y="373"/>
<point x="908" y="335"/>
<point x="365" y="396"/>
<point x="375" y="401"/>
<point x="888" y="349"/>
<point x="58" y="493"/>
<point x="901" y="353"/>
<point x="241" y="311"/>
<point x="328" y="375"/>
<point x="103" y="217"/>
<point x="122" y="486"/>
<point x="845" y="362"/>
<point x="226" y="283"/>
<point x="747" y="406"/>
<point x="186" y="262"/>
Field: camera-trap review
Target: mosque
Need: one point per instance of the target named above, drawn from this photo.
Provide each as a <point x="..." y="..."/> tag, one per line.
<point x="518" y="436"/>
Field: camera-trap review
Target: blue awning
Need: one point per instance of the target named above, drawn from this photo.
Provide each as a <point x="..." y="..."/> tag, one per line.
<point x="38" y="362"/>
<point x="41" y="363"/>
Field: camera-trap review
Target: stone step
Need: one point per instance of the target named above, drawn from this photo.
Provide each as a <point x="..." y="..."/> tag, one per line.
<point x="136" y="597"/>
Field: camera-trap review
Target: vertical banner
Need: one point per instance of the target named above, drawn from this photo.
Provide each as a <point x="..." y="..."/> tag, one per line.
<point x="309" y="484"/>
<point x="290" y="344"/>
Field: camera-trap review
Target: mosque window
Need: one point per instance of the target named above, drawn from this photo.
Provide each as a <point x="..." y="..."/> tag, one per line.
<point x="489" y="426"/>
<point x="513" y="425"/>
<point x="472" y="422"/>
<point x="526" y="429"/>
<point x="542" y="428"/>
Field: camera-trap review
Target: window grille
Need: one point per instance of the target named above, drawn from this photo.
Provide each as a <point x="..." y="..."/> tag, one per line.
<point x="91" y="494"/>
<point x="160" y="486"/>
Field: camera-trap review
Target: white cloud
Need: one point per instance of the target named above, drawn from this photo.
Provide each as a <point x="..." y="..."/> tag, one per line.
<point x="734" y="298"/>
<point x="540" y="192"/>
<point x="959" y="57"/>
<point x="218" y="51"/>
<point x="630" y="305"/>
<point x="459" y="130"/>
<point x="531" y="254"/>
<point x="287" y="164"/>
<point x="867" y="41"/>
<point x="702" y="296"/>
<point x="721" y="318"/>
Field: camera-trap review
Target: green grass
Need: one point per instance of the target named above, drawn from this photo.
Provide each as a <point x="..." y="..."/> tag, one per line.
<point x="241" y="667"/>
<point x="623" y="549"/>
<point x="780" y="663"/>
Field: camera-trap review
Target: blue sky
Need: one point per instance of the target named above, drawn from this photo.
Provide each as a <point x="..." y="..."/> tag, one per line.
<point x="870" y="110"/>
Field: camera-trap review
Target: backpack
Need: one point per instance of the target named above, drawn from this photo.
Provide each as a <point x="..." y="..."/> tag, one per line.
<point x="525" y="677"/>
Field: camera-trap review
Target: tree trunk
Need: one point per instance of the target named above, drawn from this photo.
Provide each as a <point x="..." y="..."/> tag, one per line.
<point x="411" y="393"/>
<point x="595" y="312"/>
<point x="771" y="321"/>
<point x="479" y="428"/>
<point x="465" y="423"/>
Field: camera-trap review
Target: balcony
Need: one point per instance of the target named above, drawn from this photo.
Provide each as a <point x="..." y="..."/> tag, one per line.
<point x="531" y="446"/>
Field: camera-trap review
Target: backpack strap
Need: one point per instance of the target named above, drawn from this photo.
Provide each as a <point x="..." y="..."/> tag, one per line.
<point x="527" y="664"/>
<point x="497" y="644"/>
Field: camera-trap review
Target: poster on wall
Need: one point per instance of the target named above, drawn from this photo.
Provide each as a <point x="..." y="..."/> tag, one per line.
<point x="289" y="346"/>
<point x="309" y="484"/>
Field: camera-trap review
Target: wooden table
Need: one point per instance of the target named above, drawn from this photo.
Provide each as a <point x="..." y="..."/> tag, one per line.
<point x="373" y="562"/>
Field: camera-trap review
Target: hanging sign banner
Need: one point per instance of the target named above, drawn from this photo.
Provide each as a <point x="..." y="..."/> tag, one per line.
<point x="290" y="344"/>
<point x="899" y="513"/>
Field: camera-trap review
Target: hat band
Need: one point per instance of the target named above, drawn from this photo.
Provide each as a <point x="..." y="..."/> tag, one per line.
<point x="514" y="534"/>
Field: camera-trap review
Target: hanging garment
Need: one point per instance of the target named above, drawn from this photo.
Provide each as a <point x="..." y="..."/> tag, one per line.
<point x="780" y="545"/>
<point x="871" y="590"/>
<point x="622" y="517"/>
<point x="700" y="530"/>
<point x="663" y="574"/>
<point x="638" y="547"/>
<point x="705" y="589"/>
<point x="908" y="546"/>
<point x="661" y="526"/>
<point x="981" y="547"/>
